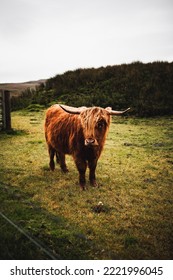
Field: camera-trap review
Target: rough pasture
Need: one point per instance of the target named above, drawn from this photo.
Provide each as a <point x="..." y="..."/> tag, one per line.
<point x="128" y="217"/>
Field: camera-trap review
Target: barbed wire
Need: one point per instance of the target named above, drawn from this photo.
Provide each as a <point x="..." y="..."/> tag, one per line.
<point x="27" y="235"/>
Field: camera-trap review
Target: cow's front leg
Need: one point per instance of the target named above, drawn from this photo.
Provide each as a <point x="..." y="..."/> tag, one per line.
<point x="81" y="166"/>
<point x="92" y="168"/>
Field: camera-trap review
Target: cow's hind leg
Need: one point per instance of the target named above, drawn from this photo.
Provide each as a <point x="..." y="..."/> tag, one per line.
<point x="60" y="158"/>
<point x="51" y="156"/>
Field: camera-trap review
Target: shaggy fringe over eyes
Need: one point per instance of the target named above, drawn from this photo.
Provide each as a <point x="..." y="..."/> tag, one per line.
<point x="91" y="116"/>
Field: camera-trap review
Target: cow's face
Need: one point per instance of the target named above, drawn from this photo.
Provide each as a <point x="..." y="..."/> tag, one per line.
<point x="95" y="122"/>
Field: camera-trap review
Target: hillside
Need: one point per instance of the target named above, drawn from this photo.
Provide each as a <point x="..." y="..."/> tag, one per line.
<point x="17" y="88"/>
<point x="146" y="88"/>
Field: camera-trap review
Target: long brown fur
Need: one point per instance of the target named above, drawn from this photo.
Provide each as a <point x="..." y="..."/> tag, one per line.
<point x="71" y="134"/>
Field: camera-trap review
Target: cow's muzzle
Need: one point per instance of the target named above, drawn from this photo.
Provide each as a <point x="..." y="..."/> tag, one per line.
<point x="91" y="142"/>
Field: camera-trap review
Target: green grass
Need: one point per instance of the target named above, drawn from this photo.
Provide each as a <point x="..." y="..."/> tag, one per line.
<point x="135" y="175"/>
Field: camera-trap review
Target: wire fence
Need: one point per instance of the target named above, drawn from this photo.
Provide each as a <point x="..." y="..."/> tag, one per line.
<point x="13" y="229"/>
<point x="29" y="237"/>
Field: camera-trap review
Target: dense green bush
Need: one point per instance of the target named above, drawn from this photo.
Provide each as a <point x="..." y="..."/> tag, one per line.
<point x="35" y="108"/>
<point x="146" y="88"/>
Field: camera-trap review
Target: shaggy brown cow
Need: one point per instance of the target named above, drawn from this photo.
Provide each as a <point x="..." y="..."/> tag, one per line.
<point x="80" y="132"/>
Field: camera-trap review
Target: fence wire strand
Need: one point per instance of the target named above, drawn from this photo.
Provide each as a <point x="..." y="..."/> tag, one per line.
<point x="28" y="236"/>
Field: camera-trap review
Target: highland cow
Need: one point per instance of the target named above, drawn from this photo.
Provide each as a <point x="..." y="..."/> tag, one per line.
<point x="80" y="132"/>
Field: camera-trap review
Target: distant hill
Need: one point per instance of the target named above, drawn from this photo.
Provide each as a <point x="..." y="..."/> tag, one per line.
<point x="17" y="88"/>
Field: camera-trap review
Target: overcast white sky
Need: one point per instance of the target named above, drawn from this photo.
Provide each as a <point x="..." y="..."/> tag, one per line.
<point x="42" y="38"/>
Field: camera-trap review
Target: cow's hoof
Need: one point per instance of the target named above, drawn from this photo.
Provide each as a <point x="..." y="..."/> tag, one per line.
<point x="83" y="187"/>
<point x="94" y="184"/>
<point x="65" y="170"/>
<point x="52" y="166"/>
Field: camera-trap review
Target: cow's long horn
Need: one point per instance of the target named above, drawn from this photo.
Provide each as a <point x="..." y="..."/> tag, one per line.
<point x="72" y="110"/>
<point x="112" y="112"/>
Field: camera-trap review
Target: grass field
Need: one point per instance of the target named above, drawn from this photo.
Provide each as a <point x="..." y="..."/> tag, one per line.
<point x="135" y="176"/>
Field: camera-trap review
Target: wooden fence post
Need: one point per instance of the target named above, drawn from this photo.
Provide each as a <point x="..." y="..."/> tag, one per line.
<point x="5" y="110"/>
<point x="1" y="110"/>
